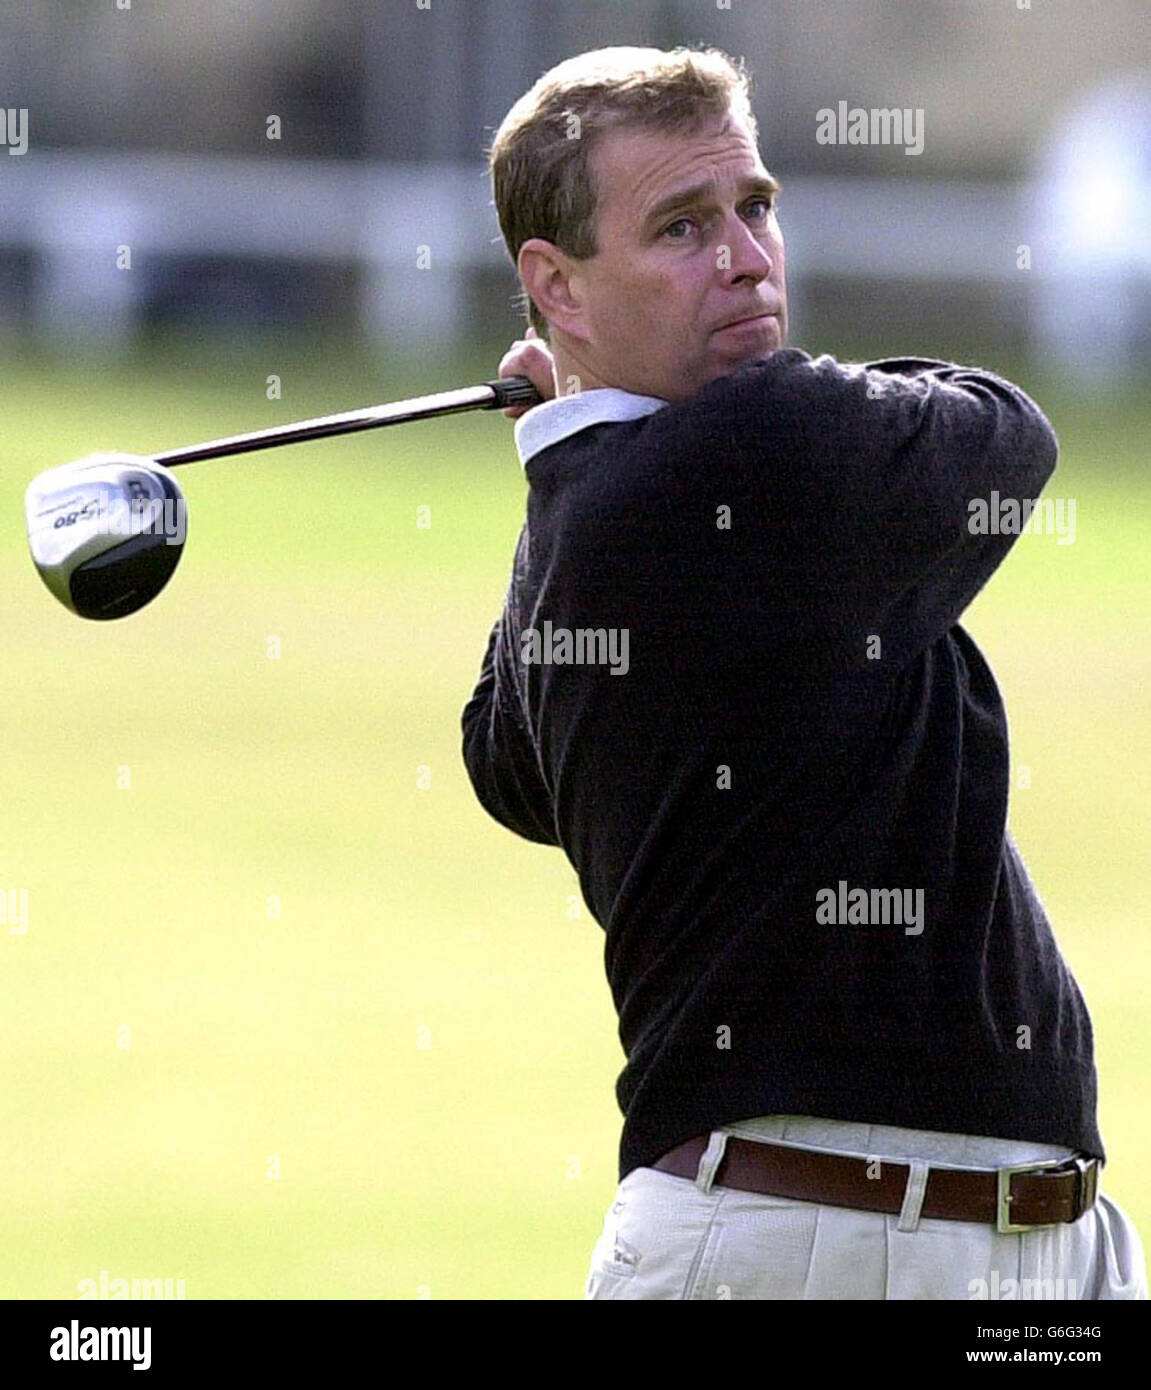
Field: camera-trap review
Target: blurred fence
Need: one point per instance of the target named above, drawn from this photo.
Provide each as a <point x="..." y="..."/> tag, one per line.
<point x="99" y="227"/>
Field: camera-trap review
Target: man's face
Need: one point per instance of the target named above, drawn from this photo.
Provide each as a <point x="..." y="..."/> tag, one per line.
<point x="688" y="243"/>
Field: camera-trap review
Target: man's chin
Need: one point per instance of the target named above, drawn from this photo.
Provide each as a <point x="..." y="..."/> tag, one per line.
<point x="748" y="342"/>
<point x="722" y="363"/>
<point x="730" y="361"/>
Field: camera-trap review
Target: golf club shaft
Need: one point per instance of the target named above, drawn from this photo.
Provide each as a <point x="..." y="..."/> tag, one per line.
<point x="491" y="395"/>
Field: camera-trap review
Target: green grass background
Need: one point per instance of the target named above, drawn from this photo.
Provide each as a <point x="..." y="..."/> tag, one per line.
<point x="480" y="1166"/>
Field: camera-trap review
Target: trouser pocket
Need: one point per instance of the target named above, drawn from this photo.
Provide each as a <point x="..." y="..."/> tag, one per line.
<point x="657" y="1239"/>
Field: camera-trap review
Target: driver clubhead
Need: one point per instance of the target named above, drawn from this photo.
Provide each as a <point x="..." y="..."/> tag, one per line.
<point x="106" y="532"/>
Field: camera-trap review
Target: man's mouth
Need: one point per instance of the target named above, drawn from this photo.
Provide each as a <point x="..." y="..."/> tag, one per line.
<point x="748" y="322"/>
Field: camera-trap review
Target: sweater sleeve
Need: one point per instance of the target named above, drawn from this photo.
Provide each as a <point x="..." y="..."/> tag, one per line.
<point x="873" y="485"/>
<point x="498" y="751"/>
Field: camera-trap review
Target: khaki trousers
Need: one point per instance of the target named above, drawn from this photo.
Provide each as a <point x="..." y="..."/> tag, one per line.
<point x="666" y="1237"/>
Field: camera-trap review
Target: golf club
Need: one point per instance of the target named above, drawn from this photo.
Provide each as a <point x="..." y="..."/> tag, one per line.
<point x="107" y="531"/>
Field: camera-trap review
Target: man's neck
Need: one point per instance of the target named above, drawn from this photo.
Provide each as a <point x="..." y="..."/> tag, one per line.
<point x="573" y="375"/>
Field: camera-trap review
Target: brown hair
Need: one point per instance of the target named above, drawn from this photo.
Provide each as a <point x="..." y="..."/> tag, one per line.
<point x="540" y="158"/>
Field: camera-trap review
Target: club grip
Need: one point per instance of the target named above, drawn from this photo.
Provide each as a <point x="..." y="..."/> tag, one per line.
<point x="513" y="390"/>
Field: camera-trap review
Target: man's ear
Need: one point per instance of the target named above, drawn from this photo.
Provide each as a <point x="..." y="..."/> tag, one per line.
<point x="546" y="274"/>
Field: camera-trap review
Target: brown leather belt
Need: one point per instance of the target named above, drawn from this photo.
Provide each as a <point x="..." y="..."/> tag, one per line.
<point x="1012" y="1199"/>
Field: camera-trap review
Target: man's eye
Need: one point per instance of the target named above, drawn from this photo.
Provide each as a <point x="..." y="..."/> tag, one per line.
<point x="669" y="230"/>
<point x="768" y="204"/>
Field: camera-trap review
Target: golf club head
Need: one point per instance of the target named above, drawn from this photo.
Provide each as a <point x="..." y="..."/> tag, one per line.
<point x="106" y="532"/>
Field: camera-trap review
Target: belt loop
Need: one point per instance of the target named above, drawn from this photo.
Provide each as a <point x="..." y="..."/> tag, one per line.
<point x="710" y="1160"/>
<point x="913" y="1195"/>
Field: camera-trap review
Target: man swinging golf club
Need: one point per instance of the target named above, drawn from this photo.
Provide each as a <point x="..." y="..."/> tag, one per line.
<point x="857" y="1066"/>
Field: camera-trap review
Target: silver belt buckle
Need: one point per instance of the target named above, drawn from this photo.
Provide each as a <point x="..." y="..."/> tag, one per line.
<point x="1003" y="1198"/>
<point x="1088" y="1188"/>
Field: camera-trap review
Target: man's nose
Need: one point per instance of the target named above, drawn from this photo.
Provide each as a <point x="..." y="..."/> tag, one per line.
<point x="749" y="256"/>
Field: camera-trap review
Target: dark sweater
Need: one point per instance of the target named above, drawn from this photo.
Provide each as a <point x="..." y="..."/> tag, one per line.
<point x="800" y="716"/>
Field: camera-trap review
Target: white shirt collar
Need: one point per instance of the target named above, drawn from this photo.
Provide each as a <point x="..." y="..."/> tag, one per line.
<point x="557" y="419"/>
